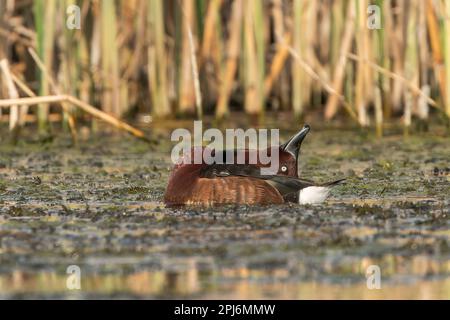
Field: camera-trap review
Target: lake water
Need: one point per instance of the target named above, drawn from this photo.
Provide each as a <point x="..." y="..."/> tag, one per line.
<point x="98" y="206"/>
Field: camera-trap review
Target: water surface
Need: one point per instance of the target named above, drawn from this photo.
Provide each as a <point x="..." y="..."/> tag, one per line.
<point x="99" y="206"/>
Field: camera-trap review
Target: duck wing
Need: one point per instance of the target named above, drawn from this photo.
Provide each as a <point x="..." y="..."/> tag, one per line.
<point x="284" y="184"/>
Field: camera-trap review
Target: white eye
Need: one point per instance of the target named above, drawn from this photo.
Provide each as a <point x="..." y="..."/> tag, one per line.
<point x="284" y="169"/>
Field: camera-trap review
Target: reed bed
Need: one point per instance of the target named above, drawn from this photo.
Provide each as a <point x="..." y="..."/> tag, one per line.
<point x="371" y="61"/>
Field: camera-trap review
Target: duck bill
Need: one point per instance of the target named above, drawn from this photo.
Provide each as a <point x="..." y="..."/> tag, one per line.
<point x="292" y="146"/>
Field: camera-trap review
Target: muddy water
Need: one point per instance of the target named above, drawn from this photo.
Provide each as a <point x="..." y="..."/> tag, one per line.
<point x="98" y="206"/>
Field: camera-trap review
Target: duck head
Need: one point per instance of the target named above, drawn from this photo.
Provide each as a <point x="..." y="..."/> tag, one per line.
<point x="290" y="151"/>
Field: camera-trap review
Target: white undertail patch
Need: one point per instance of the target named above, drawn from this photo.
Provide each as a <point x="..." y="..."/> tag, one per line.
<point x="313" y="195"/>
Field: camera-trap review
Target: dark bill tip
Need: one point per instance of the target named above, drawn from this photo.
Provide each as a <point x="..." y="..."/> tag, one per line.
<point x="293" y="144"/>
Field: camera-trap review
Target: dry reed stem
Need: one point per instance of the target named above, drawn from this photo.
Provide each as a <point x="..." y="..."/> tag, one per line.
<point x="277" y="16"/>
<point x="157" y="60"/>
<point x="378" y="113"/>
<point x="110" y="58"/>
<point x="277" y="64"/>
<point x="231" y="63"/>
<point x="386" y="62"/>
<point x="133" y="67"/>
<point x="339" y="72"/>
<point x="209" y="29"/>
<point x="436" y="48"/>
<point x="46" y="44"/>
<point x="411" y="64"/>
<point x="447" y="58"/>
<point x="31" y="118"/>
<point x="186" y="101"/>
<point x="282" y="89"/>
<point x="253" y="100"/>
<point x="82" y="105"/>
<point x="298" y="44"/>
<point x="32" y="100"/>
<point x="363" y="79"/>
<point x="398" y="46"/>
<point x="14" y="116"/>
<point x="22" y="86"/>
<point x="317" y="29"/>
<point x="57" y="91"/>
<point x="424" y="58"/>
<point x="395" y="76"/>
<point x="194" y="67"/>
<point x="322" y="82"/>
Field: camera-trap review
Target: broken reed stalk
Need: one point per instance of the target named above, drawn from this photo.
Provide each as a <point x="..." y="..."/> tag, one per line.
<point x="22" y="86"/>
<point x="77" y="102"/>
<point x="16" y="116"/>
<point x="397" y="77"/>
<point x="307" y="68"/>
<point x="80" y="104"/>
<point x="31" y="100"/>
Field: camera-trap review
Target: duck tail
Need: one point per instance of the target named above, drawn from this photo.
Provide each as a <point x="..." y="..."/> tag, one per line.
<point x="333" y="183"/>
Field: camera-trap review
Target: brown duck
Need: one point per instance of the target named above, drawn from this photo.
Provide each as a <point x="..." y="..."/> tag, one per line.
<point x="216" y="184"/>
